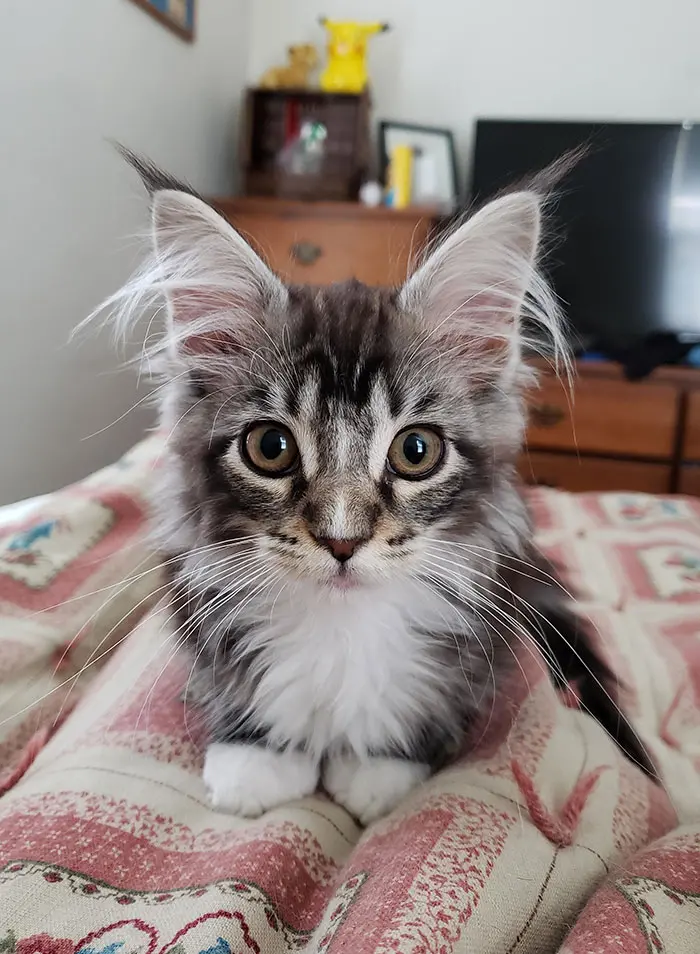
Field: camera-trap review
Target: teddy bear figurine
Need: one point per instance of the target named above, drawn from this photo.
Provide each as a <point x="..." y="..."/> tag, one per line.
<point x="303" y="59"/>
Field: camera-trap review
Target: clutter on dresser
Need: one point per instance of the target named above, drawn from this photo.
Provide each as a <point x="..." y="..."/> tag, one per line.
<point x="371" y="194"/>
<point x="418" y="165"/>
<point x="305" y="144"/>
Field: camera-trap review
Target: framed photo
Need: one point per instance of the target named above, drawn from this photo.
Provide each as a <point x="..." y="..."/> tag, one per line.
<point x="434" y="172"/>
<point x="177" y="15"/>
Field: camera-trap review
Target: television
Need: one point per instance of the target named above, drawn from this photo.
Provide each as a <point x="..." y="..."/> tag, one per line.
<point x="626" y="260"/>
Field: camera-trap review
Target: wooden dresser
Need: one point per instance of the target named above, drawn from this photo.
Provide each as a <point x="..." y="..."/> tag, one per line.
<point x="607" y="433"/>
<point x="323" y="242"/>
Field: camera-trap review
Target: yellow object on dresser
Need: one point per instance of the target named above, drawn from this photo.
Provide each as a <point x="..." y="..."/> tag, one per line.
<point x="346" y="71"/>
<point x="400" y="177"/>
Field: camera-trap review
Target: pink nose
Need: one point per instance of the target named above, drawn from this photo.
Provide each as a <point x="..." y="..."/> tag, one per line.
<point x="342" y="550"/>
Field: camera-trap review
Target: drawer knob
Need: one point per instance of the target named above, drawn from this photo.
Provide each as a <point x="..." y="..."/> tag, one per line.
<point x="305" y="253"/>
<point x="546" y="415"/>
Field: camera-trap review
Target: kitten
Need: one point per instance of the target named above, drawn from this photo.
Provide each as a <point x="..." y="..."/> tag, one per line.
<point x="351" y="563"/>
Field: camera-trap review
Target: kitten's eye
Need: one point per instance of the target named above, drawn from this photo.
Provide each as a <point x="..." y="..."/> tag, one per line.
<point x="415" y="453"/>
<point x="271" y="449"/>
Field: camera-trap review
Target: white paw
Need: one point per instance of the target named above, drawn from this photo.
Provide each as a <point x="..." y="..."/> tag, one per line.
<point x="371" y="788"/>
<point x="250" y="779"/>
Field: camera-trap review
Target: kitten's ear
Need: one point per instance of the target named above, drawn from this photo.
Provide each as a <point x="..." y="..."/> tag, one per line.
<point x="217" y="289"/>
<point x="474" y="290"/>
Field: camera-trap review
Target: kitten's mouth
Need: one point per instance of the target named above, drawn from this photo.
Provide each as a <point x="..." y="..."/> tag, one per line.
<point x="344" y="579"/>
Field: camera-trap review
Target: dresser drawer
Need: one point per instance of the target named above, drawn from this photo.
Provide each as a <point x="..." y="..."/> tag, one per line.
<point x="568" y="472"/>
<point x="689" y="480"/>
<point x="320" y="243"/>
<point x="320" y="251"/>
<point x="691" y="431"/>
<point x="603" y="417"/>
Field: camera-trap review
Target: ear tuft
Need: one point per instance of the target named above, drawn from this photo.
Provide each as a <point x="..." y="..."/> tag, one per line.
<point x="480" y="293"/>
<point x="215" y="285"/>
<point x="218" y="293"/>
<point x="154" y="179"/>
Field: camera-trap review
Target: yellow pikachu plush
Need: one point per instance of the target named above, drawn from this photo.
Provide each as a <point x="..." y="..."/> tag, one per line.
<point x="346" y="71"/>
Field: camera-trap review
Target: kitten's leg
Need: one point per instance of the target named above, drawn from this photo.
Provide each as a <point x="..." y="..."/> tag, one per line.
<point x="249" y="779"/>
<point x="372" y="787"/>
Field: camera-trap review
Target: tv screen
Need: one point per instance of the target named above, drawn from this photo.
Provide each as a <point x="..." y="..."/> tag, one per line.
<point x="627" y="263"/>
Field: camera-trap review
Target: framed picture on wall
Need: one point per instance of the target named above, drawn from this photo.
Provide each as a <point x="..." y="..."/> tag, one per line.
<point x="434" y="172"/>
<point x="177" y="15"/>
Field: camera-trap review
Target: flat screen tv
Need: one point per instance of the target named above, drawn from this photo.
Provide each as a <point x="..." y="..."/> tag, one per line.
<point x="627" y="262"/>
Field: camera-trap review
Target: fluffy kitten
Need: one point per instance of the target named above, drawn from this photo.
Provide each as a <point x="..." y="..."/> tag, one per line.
<point x="351" y="562"/>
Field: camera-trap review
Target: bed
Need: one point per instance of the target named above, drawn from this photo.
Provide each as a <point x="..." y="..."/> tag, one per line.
<point x="545" y="840"/>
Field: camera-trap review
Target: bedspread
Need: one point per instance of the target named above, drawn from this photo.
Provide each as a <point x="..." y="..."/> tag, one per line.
<point x="544" y="840"/>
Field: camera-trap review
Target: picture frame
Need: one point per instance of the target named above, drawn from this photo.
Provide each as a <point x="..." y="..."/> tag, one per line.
<point x="434" y="179"/>
<point x="177" y="15"/>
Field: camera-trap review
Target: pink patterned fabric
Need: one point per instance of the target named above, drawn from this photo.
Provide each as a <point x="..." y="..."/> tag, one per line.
<point x="107" y="842"/>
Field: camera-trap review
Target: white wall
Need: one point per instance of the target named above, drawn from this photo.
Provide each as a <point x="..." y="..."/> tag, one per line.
<point x="448" y="61"/>
<point x="71" y="74"/>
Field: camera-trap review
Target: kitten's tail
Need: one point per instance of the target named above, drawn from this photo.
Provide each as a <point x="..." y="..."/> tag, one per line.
<point x="572" y="660"/>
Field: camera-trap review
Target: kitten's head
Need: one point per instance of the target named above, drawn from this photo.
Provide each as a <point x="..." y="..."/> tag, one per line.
<point x="342" y="430"/>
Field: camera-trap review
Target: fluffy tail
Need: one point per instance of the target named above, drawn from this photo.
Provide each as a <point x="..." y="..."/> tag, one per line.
<point x="573" y="661"/>
<point x="565" y="641"/>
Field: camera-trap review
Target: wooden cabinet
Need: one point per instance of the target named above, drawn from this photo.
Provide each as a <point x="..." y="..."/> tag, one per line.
<point x="607" y="433"/>
<point x="576" y="473"/>
<point x="602" y="416"/>
<point x="689" y="480"/>
<point x="691" y="429"/>
<point x="689" y="472"/>
<point x="322" y="242"/>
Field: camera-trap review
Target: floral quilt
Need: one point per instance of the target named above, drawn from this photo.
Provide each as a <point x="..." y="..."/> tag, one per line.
<point x="544" y="840"/>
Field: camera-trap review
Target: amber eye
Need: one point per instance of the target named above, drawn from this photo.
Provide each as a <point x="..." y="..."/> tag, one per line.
<point x="270" y="449"/>
<point x="415" y="453"/>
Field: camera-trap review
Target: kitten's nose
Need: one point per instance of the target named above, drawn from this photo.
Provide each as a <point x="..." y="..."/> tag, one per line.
<point x="342" y="550"/>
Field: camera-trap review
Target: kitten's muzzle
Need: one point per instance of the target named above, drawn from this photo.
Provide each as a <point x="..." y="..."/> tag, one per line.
<point x="342" y="550"/>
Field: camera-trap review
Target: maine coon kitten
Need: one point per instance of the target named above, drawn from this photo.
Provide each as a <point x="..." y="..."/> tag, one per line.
<point x="350" y="559"/>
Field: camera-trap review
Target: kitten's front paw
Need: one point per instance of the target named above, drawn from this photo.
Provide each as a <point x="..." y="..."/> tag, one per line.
<point x="371" y="788"/>
<point x="250" y="779"/>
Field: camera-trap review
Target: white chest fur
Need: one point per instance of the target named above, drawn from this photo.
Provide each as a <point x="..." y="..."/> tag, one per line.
<point x="349" y="668"/>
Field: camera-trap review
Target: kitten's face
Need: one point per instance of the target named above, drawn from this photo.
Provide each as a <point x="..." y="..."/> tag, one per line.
<point x="346" y="446"/>
<point x="332" y="435"/>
